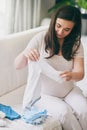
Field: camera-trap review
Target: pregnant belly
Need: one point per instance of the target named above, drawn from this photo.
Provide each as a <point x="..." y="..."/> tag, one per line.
<point x="53" y="88"/>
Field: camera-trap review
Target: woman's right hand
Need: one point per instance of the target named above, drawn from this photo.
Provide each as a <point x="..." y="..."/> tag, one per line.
<point x="31" y="54"/>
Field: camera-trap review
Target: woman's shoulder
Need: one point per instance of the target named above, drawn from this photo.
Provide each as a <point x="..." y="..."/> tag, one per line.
<point x="40" y="35"/>
<point x="80" y="51"/>
<point x="37" y="40"/>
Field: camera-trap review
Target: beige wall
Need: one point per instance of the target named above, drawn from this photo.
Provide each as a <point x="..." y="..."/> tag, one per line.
<point x="45" y="5"/>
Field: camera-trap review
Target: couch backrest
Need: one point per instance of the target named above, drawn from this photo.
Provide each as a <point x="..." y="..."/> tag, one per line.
<point x="10" y="47"/>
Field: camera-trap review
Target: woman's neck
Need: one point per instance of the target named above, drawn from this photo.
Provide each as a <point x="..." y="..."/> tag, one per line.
<point x="61" y="41"/>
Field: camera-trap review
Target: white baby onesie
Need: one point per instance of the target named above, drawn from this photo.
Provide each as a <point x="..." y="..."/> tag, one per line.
<point x="33" y="89"/>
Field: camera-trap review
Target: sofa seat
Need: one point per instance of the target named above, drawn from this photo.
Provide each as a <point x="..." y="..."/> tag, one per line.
<point x="14" y="99"/>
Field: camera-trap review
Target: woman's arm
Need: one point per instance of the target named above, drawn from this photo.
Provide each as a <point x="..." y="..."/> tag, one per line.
<point x="28" y="54"/>
<point x="78" y="71"/>
<point x="21" y="61"/>
<point x="31" y="52"/>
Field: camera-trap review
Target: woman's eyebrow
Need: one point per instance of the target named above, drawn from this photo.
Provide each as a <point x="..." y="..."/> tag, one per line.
<point x="68" y="28"/>
<point x="58" y="23"/>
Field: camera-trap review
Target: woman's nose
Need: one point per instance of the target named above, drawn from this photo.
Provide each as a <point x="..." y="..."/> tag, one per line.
<point x="60" y="31"/>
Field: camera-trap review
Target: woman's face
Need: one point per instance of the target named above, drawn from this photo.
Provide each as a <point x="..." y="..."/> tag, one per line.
<point x="63" y="28"/>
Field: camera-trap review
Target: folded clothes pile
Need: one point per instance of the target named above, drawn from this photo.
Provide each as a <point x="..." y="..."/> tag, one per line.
<point x="7" y="112"/>
<point x="2" y="121"/>
<point x="34" y="116"/>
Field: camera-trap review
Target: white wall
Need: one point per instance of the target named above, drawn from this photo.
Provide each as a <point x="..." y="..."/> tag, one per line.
<point x="45" y="5"/>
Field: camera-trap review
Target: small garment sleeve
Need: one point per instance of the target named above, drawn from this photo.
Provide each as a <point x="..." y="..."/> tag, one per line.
<point x="80" y="52"/>
<point x="36" y="41"/>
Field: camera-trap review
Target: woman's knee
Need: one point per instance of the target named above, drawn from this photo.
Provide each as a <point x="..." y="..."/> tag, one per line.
<point x="65" y="114"/>
<point x="69" y="121"/>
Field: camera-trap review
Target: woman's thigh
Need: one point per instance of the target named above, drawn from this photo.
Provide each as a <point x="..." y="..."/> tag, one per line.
<point x="79" y="105"/>
<point x="54" y="105"/>
<point x="58" y="108"/>
<point x="77" y="101"/>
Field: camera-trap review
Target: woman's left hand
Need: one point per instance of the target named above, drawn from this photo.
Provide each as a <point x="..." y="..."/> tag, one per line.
<point x="66" y="75"/>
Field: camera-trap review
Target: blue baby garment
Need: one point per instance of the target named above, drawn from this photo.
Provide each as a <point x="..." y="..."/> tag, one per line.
<point x="9" y="112"/>
<point x="34" y="116"/>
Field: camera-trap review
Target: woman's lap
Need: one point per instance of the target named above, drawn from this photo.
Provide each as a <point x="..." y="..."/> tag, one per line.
<point x="78" y="103"/>
<point x="76" y="100"/>
<point x="62" y="111"/>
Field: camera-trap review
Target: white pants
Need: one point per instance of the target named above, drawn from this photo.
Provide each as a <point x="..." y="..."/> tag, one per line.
<point x="71" y="111"/>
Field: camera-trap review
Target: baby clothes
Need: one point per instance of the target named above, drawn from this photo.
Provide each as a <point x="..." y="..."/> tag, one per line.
<point x="33" y="89"/>
<point x="9" y="112"/>
<point x="34" y="116"/>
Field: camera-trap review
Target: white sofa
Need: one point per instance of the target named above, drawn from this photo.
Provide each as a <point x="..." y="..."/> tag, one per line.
<point x="13" y="82"/>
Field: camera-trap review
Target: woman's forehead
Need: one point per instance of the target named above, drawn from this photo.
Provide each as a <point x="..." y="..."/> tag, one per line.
<point x="65" y="23"/>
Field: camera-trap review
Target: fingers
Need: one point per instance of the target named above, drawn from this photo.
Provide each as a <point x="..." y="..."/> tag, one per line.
<point x="32" y="54"/>
<point x="66" y="75"/>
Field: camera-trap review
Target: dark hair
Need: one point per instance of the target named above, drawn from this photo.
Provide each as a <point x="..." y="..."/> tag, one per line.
<point x="70" y="13"/>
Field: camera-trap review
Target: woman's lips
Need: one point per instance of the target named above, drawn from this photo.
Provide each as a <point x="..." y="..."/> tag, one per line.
<point x="59" y="36"/>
